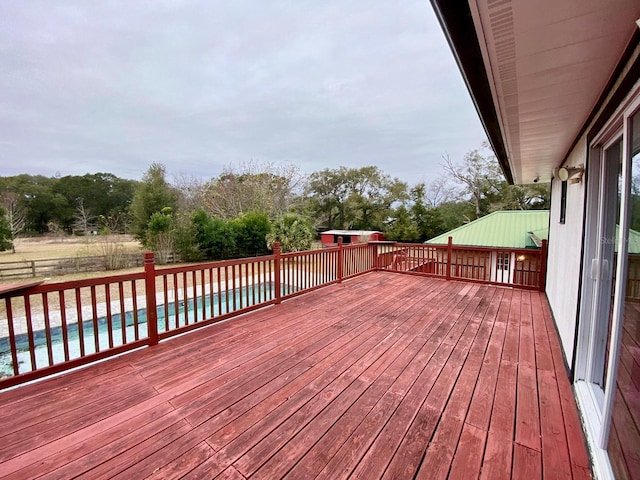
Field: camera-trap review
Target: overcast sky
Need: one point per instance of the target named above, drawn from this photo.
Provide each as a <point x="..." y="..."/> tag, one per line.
<point x="112" y="86"/>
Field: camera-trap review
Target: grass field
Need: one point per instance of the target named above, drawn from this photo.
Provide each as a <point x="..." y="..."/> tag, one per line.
<point x="35" y="248"/>
<point x="55" y="247"/>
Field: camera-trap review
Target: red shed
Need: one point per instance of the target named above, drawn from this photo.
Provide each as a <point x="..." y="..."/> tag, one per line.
<point x="330" y="237"/>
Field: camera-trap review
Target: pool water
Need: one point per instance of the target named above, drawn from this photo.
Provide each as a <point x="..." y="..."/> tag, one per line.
<point x="225" y="303"/>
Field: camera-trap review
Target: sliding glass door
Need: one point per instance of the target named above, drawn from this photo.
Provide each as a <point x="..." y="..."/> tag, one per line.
<point x="608" y="350"/>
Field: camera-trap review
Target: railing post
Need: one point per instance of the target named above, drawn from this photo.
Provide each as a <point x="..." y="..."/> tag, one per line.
<point x="340" y="259"/>
<point x="373" y="251"/>
<point x="150" y="295"/>
<point x="449" y="257"/>
<point x="276" y="273"/>
<point x="543" y="265"/>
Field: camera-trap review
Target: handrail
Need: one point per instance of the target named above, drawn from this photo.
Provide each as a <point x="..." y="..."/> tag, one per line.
<point x="516" y="267"/>
<point x="52" y="327"/>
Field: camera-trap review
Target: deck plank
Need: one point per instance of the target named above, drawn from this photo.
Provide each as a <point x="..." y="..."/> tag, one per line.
<point x="383" y="376"/>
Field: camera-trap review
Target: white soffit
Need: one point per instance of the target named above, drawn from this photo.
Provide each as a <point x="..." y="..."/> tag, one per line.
<point x="548" y="61"/>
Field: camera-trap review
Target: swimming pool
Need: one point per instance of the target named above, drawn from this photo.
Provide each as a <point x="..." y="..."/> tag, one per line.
<point x="219" y="304"/>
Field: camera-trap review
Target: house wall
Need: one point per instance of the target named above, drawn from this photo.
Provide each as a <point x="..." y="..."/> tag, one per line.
<point x="566" y="240"/>
<point x="565" y="248"/>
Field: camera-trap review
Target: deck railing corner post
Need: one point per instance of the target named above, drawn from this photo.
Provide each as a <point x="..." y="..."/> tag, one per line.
<point x="375" y="262"/>
<point x="340" y="259"/>
<point x="276" y="272"/>
<point x="150" y="296"/>
<point x="449" y="256"/>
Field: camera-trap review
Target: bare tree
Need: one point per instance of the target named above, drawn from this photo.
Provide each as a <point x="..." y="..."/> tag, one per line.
<point x="254" y="187"/>
<point x="192" y="192"/>
<point x="83" y="220"/>
<point x="479" y="175"/>
<point x="15" y="216"/>
<point x="439" y="191"/>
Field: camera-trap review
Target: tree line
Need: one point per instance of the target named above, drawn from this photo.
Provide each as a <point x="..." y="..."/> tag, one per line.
<point x="246" y="208"/>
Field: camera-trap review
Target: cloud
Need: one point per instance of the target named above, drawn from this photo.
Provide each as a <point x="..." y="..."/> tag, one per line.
<point x="114" y="86"/>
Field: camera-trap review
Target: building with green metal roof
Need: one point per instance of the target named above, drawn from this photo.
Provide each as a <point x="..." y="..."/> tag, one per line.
<point x="503" y="229"/>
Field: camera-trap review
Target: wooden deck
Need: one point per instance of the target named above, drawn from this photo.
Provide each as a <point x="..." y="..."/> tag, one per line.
<point x="383" y="376"/>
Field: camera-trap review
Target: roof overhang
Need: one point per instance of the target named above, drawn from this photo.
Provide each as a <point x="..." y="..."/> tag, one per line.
<point x="537" y="71"/>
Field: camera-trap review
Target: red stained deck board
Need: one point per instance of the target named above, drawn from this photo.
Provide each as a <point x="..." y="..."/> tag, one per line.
<point x="527" y="463"/>
<point x="113" y="441"/>
<point x="527" y="411"/>
<point x="229" y="474"/>
<point x="231" y="334"/>
<point x="469" y="454"/>
<point x="380" y="453"/>
<point x="555" y="451"/>
<point x="370" y="366"/>
<point x="398" y="373"/>
<point x="295" y="333"/>
<point x="409" y="455"/>
<point x="53" y="411"/>
<point x="544" y="357"/>
<point x="108" y="461"/>
<point x="331" y="442"/>
<point x="380" y="375"/>
<point x="280" y="388"/>
<point x="58" y="387"/>
<point x="293" y="364"/>
<point x="443" y="445"/>
<point x="303" y="388"/>
<point x="479" y="413"/>
<point x="184" y="463"/>
<point x="498" y="456"/>
<point x="72" y="421"/>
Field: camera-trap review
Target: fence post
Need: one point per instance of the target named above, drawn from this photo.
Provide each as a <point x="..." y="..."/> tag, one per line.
<point x="33" y="268"/>
<point x="276" y="273"/>
<point x="449" y="257"/>
<point x="543" y="265"/>
<point x="150" y="295"/>
<point x="340" y="259"/>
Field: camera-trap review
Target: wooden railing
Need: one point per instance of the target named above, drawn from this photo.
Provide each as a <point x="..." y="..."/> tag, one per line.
<point x="522" y="268"/>
<point x="50" y="328"/>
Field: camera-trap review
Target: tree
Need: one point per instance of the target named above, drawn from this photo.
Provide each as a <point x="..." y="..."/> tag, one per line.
<point x="151" y="196"/>
<point x="214" y="236"/>
<point x="191" y="192"/>
<point x="42" y="200"/>
<point x="83" y="219"/>
<point x="5" y="232"/>
<point x="425" y="214"/>
<point x="353" y="197"/>
<point x="486" y="189"/>
<point x="264" y="188"/>
<point x="160" y="235"/>
<point x="14" y="216"/>
<point x="294" y="232"/>
<point x="250" y="231"/>
<point x="480" y="176"/>
<point x="401" y="227"/>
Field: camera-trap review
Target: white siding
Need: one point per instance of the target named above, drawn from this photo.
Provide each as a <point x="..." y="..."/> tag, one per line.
<point x="565" y="245"/>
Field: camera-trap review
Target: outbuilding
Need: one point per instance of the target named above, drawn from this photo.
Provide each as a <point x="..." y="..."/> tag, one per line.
<point x="330" y="237"/>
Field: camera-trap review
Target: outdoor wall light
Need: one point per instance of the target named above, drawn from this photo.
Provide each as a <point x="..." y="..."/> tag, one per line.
<point x="573" y="174"/>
